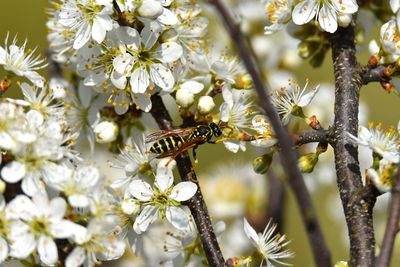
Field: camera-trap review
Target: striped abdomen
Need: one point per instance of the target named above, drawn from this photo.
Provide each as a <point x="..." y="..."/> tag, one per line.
<point x="167" y="144"/>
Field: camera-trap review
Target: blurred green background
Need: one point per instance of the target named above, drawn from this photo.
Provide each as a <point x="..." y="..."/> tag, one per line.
<point x="27" y="18"/>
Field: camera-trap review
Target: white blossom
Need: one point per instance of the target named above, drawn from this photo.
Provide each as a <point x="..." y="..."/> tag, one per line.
<point x="385" y="143"/>
<point x="236" y="112"/>
<point x="268" y="244"/>
<point x="290" y="99"/>
<point x="278" y="14"/>
<point x="88" y="18"/>
<point x="95" y="243"/>
<point x="326" y="12"/>
<point x="146" y="65"/>
<point x="36" y="223"/>
<point x="23" y="63"/>
<point x="162" y="200"/>
<point x="134" y="160"/>
<point x="265" y="135"/>
<point x="383" y="177"/>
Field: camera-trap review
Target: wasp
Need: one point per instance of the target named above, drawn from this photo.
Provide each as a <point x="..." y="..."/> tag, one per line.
<point x="173" y="142"/>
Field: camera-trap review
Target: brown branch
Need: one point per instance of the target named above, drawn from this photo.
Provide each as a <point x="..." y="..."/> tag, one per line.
<point x="392" y="227"/>
<point x="376" y="73"/>
<point x="347" y="84"/>
<point x="196" y="204"/>
<point x="289" y="158"/>
<point x="320" y="136"/>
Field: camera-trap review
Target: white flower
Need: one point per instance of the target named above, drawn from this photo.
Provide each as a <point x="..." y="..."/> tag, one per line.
<point x="269" y="245"/>
<point x="237" y="108"/>
<point x="146" y="65"/>
<point x="36" y="223"/>
<point x="186" y="91"/>
<point x="163" y="200"/>
<point x="385" y="143"/>
<point x="21" y="62"/>
<point x="236" y="111"/>
<point x="134" y="160"/>
<point x="383" y="178"/>
<point x="76" y="183"/>
<point x="289" y="100"/>
<point x="42" y="144"/>
<point x="390" y="37"/>
<point x="96" y="242"/>
<point x="265" y="135"/>
<point x="205" y="105"/>
<point x="106" y="131"/>
<point x="278" y="14"/>
<point x="215" y="65"/>
<point x="325" y="11"/>
<point x="41" y="100"/>
<point x="89" y="18"/>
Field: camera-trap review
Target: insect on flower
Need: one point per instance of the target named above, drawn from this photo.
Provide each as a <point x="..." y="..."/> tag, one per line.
<point x="173" y="142"/>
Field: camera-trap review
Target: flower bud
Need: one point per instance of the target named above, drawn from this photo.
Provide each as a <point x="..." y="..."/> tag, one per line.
<point x="344" y="20"/>
<point x="206" y="104"/>
<point x="261" y="164"/>
<point x="150" y="9"/>
<point x="129" y="206"/>
<point x="373" y="47"/>
<point x="184" y="98"/>
<point x="307" y="162"/>
<point x="106" y="132"/>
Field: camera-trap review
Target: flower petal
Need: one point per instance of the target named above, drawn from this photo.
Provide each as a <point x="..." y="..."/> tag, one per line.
<point x="171" y="51"/>
<point x="305" y="11"/>
<point x="250" y="232"/>
<point x="177" y="217"/>
<point x="140" y="80"/>
<point x="76" y="258"/>
<point x="13" y="172"/>
<point x="140" y="190"/>
<point x="162" y="76"/>
<point x="47" y="250"/>
<point x="148" y="215"/>
<point x="183" y="191"/>
<point x="327" y="18"/>
<point x="3" y="250"/>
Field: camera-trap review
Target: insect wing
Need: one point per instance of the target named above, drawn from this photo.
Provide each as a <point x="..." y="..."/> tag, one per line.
<point x="187" y="145"/>
<point x="174" y="132"/>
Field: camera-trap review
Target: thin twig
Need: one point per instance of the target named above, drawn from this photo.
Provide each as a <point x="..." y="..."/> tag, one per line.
<point x="379" y="73"/>
<point x="289" y="158"/>
<point x="392" y="227"/>
<point x="320" y="136"/>
<point x="196" y="204"/>
<point x="347" y="84"/>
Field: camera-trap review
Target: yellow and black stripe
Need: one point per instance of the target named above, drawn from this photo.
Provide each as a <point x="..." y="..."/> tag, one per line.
<point x="167" y="144"/>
